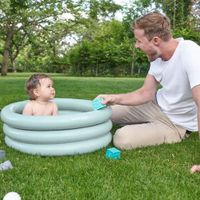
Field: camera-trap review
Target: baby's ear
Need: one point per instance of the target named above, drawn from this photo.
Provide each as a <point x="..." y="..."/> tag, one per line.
<point x="35" y="92"/>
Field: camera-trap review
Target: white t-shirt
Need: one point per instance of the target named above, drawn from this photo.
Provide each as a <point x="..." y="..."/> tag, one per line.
<point x="177" y="76"/>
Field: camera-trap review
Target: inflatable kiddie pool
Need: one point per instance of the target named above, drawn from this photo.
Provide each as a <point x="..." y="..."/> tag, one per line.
<point x="76" y="129"/>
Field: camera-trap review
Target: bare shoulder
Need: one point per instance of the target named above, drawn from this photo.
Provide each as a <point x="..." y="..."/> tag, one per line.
<point x="28" y="108"/>
<point x="29" y="104"/>
<point x="52" y="103"/>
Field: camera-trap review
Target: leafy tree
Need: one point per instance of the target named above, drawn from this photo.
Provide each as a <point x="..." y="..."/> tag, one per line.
<point x="33" y="34"/>
<point x="23" y="22"/>
<point x="108" y="51"/>
<point x="181" y="13"/>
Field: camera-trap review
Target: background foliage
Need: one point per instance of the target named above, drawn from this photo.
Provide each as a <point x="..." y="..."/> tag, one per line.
<point x="83" y="38"/>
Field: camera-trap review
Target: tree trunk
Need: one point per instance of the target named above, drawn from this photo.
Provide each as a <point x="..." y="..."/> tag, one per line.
<point x="133" y="62"/>
<point x="174" y="15"/>
<point x="14" y="66"/>
<point x="132" y="68"/>
<point x="6" y="53"/>
<point x="5" y="62"/>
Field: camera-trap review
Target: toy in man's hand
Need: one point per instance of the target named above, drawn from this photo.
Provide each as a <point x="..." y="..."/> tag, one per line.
<point x="96" y="104"/>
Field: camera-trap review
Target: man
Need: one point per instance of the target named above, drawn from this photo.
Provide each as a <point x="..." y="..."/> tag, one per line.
<point x="151" y="117"/>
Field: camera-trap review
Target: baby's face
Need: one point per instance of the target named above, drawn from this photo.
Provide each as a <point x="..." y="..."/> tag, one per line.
<point x="45" y="89"/>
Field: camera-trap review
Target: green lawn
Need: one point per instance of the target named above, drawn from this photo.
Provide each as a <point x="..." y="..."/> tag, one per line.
<point x="160" y="172"/>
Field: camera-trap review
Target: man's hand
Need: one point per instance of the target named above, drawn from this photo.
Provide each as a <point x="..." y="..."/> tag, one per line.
<point x="108" y="99"/>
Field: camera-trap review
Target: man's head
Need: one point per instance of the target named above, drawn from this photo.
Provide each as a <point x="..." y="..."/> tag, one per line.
<point x="150" y="30"/>
<point x="154" y="24"/>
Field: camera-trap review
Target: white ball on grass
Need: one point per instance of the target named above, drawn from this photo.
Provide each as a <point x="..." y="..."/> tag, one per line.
<point x="12" y="196"/>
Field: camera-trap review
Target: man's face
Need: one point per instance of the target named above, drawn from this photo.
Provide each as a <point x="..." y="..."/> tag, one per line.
<point x="148" y="47"/>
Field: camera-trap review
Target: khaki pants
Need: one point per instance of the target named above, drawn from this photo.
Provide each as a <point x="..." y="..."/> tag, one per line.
<point x="144" y="125"/>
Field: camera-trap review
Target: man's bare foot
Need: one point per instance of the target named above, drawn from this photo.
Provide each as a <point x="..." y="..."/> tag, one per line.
<point x="195" y="168"/>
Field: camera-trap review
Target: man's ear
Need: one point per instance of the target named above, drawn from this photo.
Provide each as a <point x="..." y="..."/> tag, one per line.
<point x="156" y="41"/>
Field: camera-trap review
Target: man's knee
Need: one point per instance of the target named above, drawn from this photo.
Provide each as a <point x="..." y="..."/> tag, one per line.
<point x="121" y="139"/>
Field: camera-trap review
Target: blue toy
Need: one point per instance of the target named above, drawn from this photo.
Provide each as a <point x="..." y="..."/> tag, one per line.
<point x="96" y="104"/>
<point x="113" y="153"/>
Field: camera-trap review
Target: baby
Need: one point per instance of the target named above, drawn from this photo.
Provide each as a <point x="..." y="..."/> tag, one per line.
<point x="40" y="90"/>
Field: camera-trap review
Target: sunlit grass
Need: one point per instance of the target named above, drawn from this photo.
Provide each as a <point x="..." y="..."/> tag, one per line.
<point x="160" y="172"/>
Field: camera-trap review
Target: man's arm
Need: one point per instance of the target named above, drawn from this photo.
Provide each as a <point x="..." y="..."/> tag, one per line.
<point x="143" y="95"/>
<point x="196" y="96"/>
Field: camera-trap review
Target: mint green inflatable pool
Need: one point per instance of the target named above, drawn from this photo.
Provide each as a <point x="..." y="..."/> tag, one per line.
<point x="77" y="129"/>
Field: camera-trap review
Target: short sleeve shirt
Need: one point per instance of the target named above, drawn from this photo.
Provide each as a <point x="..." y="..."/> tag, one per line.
<point x="177" y="77"/>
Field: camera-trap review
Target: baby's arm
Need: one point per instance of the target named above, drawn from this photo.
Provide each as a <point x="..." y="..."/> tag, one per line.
<point x="28" y="109"/>
<point x="55" y="109"/>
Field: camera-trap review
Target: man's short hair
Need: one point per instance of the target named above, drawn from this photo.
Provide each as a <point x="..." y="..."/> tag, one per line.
<point x="154" y="24"/>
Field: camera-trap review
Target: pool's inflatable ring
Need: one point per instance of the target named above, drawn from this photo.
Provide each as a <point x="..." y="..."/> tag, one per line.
<point x="77" y="129"/>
